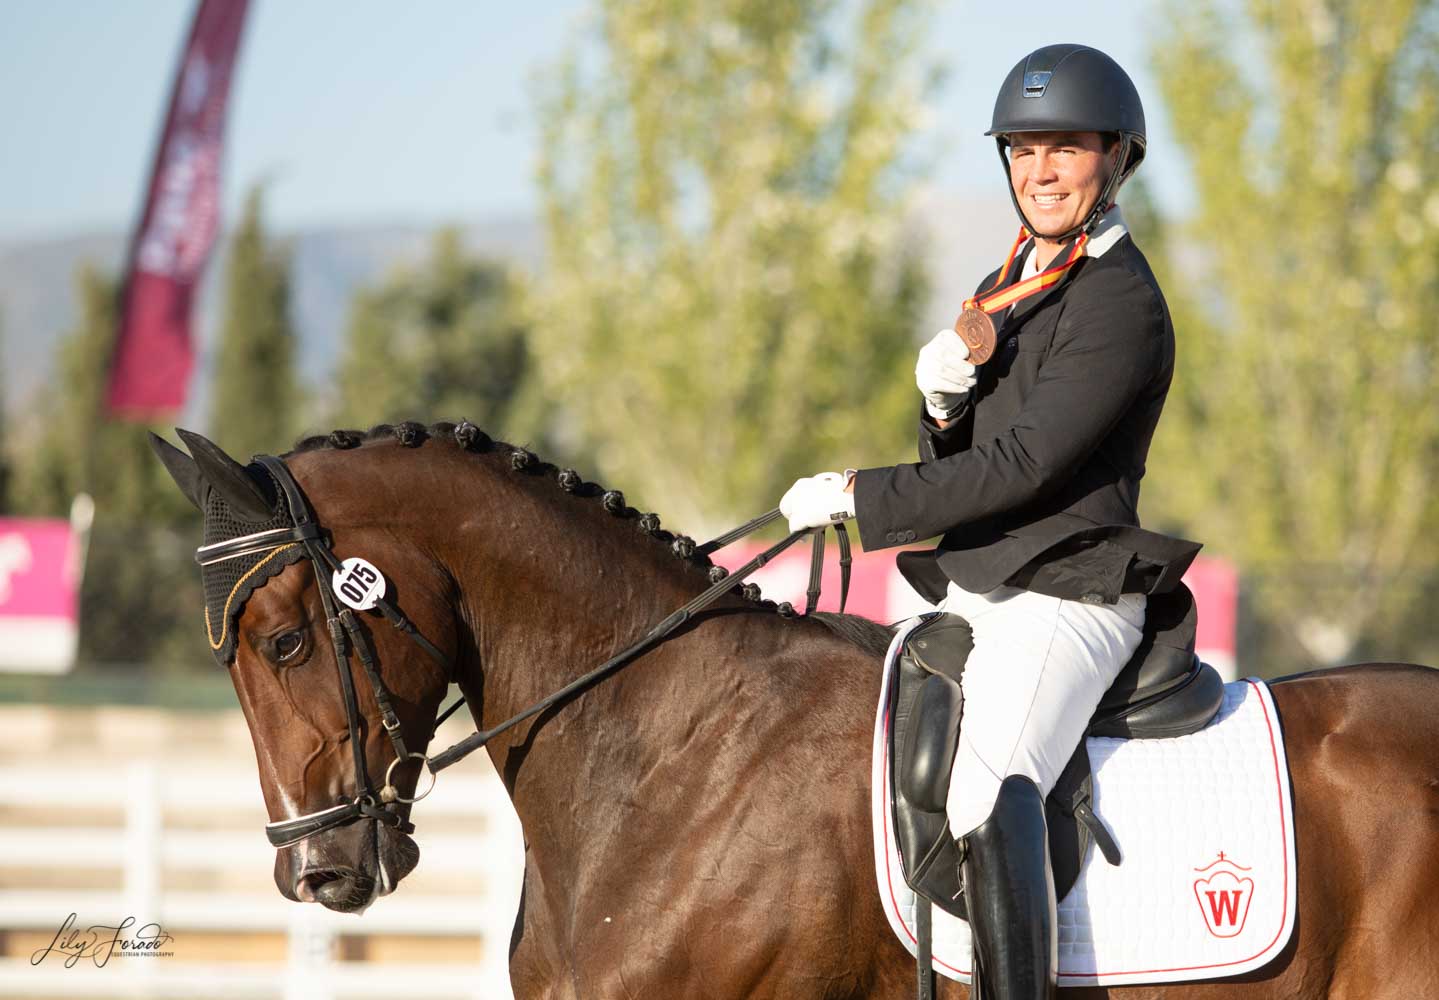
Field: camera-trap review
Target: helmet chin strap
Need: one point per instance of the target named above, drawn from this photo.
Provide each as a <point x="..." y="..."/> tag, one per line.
<point x="1117" y="177"/>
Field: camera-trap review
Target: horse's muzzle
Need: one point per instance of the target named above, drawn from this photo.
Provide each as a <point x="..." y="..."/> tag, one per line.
<point x="342" y="889"/>
<point x="346" y="869"/>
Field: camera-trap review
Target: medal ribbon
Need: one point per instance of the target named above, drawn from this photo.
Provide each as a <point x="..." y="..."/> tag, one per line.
<point x="1004" y="298"/>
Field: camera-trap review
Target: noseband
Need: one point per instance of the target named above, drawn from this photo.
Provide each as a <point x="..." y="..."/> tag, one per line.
<point x="346" y="634"/>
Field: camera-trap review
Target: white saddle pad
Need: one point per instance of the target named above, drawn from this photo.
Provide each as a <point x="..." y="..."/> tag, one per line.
<point x="1205" y="824"/>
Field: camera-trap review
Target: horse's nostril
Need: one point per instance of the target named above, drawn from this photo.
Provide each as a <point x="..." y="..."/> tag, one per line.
<point x="312" y="881"/>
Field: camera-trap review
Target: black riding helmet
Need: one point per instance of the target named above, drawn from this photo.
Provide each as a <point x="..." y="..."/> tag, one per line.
<point x="1071" y="88"/>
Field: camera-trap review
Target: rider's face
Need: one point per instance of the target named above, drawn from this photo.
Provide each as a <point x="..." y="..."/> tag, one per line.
<point x="1057" y="176"/>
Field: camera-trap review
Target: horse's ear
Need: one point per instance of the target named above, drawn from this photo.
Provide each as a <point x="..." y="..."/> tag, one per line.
<point x="228" y="478"/>
<point x="182" y="469"/>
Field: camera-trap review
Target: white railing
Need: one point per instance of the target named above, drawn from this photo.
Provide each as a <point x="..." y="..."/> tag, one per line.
<point x="475" y="838"/>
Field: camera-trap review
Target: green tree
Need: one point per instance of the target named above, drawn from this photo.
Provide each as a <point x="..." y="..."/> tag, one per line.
<point x="255" y="407"/>
<point x="730" y="299"/>
<point x="63" y="460"/>
<point x="140" y="599"/>
<point x="444" y="340"/>
<point x="1302" y="423"/>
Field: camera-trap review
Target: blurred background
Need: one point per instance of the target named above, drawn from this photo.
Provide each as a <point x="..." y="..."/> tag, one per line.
<point x="689" y="249"/>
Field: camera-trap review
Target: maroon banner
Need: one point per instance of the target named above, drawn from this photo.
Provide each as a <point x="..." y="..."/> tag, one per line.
<point x="154" y="351"/>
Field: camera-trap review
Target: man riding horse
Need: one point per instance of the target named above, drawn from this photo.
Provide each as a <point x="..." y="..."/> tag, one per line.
<point x="1030" y="462"/>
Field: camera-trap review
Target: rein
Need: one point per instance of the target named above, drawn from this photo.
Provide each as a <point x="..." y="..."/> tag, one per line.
<point x="660" y="632"/>
<point x="346" y="635"/>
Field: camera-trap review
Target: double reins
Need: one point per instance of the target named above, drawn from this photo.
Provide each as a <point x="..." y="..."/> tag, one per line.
<point x="667" y="627"/>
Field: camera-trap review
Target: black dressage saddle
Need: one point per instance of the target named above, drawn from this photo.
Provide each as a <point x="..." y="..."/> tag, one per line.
<point x="1164" y="691"/>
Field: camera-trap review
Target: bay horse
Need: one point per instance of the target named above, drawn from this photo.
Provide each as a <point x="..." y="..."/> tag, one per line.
<point x="698" y="824"/>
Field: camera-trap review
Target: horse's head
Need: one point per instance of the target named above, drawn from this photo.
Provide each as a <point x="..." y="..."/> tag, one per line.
<point x="340" y="705"/>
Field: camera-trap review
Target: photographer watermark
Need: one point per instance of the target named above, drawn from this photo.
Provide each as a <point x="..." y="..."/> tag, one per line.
<point x="101" y="942"/>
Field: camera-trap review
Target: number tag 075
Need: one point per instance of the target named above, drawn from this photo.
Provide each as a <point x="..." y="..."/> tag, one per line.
<point x="358" y="584"/>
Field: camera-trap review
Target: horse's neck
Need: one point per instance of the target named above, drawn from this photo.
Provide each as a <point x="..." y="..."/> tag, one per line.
<point x="668" y="743"/>
<point x="550" y="597"/>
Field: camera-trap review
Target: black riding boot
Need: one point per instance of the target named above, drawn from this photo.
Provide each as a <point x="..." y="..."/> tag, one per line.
<point x="1009" y="891"/>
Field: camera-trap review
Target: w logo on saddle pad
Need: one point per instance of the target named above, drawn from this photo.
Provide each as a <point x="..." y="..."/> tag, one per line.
<point x="1224" y="896"/>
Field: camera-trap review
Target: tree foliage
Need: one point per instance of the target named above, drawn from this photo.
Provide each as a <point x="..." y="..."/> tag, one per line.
<point x="140" y="597"/>
<point x="63" y="460"/>
<point x="444" y="340"/>
<point x="730" y="300"/>
<point x="1307" y="377"/>
<point x="256" y="409"/>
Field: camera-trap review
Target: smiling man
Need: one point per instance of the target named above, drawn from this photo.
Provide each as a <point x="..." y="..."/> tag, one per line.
<point x="1032" y="448"/>
<point x="1057" y="178"/>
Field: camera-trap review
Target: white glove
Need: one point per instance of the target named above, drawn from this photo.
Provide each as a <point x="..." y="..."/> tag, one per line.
<point x="944" y="374"/>
<point x="817" y="501"/>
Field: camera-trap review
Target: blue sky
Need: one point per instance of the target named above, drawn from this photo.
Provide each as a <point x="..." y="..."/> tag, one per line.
<point x="364" y="111"/>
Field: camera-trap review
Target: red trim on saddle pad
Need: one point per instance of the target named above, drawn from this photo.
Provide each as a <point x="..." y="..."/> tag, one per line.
<point x="1209" y="971"/>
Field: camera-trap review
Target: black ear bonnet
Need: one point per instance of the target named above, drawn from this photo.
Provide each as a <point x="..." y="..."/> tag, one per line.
<point x="229" y="582"/>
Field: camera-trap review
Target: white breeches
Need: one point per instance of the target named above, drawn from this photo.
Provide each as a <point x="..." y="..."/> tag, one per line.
<point x="1039" y="668"/>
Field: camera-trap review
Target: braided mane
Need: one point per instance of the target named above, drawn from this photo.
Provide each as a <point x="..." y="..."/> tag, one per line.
<point x="866" y="634"/>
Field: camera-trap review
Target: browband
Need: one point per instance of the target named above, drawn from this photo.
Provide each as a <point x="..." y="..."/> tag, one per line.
<point x="261" y="541"/>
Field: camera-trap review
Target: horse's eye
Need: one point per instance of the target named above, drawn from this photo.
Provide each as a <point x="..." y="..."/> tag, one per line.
<point x="289" y="644"/>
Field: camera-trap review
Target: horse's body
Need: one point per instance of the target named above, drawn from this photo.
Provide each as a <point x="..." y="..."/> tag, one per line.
<point x="698" y="824"/>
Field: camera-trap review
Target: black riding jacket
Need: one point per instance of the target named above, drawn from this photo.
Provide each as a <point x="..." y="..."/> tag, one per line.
<point x="1036" y="482"/>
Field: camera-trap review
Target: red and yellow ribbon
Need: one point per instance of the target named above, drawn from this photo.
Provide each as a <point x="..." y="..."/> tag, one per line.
<point x="996" y="301"/>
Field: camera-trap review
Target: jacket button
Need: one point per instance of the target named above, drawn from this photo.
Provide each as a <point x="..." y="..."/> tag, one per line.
<point x="889" y="536"/>
<point x="910" y="537"/>
<point x="1092" y="599"/>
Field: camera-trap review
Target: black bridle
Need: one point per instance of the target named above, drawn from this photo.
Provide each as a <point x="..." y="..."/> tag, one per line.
<point x="346" y="634"/>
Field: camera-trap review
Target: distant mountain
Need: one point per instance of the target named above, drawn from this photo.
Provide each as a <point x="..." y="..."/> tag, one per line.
<point x="38" y="302"/>
<point x="964" y="240"/>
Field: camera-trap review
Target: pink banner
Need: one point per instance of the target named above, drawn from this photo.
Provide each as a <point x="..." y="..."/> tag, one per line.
<point x="878" y="591"/>
<point x="154" y="350"/>
<point x="39" y="594"/>
<point x="1215" y="583"/>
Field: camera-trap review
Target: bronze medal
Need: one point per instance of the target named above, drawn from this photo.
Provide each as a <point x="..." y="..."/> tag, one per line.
<point x="976" y="329"/>
<point x="975" y="326"/>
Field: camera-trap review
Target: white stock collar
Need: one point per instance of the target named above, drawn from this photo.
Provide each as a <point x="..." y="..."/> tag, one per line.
<point x="1111" y="230"/>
